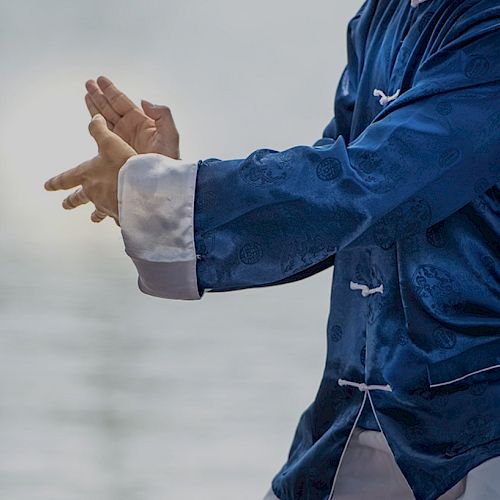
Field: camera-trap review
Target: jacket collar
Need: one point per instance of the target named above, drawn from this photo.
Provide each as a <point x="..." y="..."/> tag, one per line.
<point x="415" y="3"/>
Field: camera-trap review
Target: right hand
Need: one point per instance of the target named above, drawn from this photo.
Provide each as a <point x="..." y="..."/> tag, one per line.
<point x="148" y="130"/>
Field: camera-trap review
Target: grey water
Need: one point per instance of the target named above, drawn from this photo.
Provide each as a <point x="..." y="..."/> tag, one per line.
<point x="107" y="393"/>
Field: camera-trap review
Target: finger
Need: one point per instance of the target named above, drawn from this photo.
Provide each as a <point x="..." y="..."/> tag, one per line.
<point x="95" y="111"/>
<point x="75" y="199"/>
<point x="90" y="105"/>
<point x="118" y="100"/>
<point x="98" y="129"/>
<point x="155" y="111"/>
<point x="161" y="115"/>
<point x="97" y="216"/>
<point x="101" y="102"/>
<point x="69" y="179"/>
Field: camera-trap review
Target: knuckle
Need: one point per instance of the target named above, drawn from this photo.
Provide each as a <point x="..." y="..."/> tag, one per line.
<point x="114" y="97"/>
<point x="136" y="113"/>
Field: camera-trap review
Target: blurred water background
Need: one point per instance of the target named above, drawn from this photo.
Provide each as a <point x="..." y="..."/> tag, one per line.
<point x="106" y="393"/>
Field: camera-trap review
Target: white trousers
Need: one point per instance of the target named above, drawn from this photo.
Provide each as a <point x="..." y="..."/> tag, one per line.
<point x="368" y="471"/>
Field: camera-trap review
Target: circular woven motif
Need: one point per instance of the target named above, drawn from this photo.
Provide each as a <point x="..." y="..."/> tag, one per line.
<point x="478" y="430"/>
<point x="336" y="333"/>
<point x="476" y="67"/>
<point x="262" y="168"/>
<point x="444" y="108"/>
<point x="416" y="214"/>
<point x="443" y="338"/>
<point x="206" y="200"/>
<point x="250" y="253"/>
<point x="436" y="235"/>
<point x="204" y="242"/>
<point x="449" y="157"/>
<point x="405" y="221"/>
<point x="486" y="136"/>
<point x="436" y="289"/>
<point x="488" y="263"/>
<point x="481" y="186"/>
<point x="328" y="169"/>
<point x="478" y="389"/>
<point x="480" y="204"/>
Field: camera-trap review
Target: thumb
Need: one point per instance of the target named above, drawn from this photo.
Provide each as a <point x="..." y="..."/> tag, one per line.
<point x="160" y="114"/>
<point x="98" y="129"/>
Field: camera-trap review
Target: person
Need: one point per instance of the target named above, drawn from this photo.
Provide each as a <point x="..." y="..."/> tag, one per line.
<point x="401" y="195"/>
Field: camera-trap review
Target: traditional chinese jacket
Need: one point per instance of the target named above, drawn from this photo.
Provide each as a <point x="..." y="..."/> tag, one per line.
<point x="402" y="195"/>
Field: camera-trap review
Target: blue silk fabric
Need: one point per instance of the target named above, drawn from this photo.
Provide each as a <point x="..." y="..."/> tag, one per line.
<point x="404" y="195"/>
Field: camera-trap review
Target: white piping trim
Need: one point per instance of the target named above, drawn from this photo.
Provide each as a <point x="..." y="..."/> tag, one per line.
<point x="465" y="376"/>
<point x="330" y="496"/>
<point x="385" y="99"/>
<point x="364" y="387"/>
<point x="385" y="437"/>
<point x="365" y="291"/>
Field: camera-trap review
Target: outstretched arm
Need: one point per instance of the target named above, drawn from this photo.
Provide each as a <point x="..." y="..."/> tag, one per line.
<point x="273" y="216"/>
<point x="167" y="261"/>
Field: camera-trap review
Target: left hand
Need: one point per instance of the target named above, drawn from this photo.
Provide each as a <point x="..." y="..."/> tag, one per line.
<point x="148" y="130"/>
<point x="98" y="177"/>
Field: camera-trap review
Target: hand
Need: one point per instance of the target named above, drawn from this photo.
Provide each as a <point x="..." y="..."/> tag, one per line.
<point x="98" y="176"/>
<point x="150" y="130"/>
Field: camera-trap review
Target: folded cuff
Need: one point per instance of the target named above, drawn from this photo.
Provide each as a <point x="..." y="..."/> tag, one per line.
<point x="156" y="208"/>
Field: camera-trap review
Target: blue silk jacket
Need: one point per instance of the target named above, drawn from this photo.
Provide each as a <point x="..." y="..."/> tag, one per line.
<point x="402" y="195"/>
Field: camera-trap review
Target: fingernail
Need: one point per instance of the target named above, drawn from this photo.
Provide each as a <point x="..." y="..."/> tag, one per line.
<point x="149" y="103"/>
<point x="97" y="116"/>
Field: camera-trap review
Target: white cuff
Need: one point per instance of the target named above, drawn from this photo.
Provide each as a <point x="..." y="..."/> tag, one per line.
<point x="156" y="209"/>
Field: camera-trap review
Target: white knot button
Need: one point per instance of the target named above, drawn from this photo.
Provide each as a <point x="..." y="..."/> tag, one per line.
<point x="365" y="291"/>
<point x="385" y="99"/>
<point x="365" y="387"/>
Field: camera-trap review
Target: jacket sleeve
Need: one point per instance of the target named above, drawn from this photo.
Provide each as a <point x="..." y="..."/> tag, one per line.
<point x="340" y="124"/>
<point x="156" y="196"/>
<point x="278" y="216"/>
<point x="263" y="219"/>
